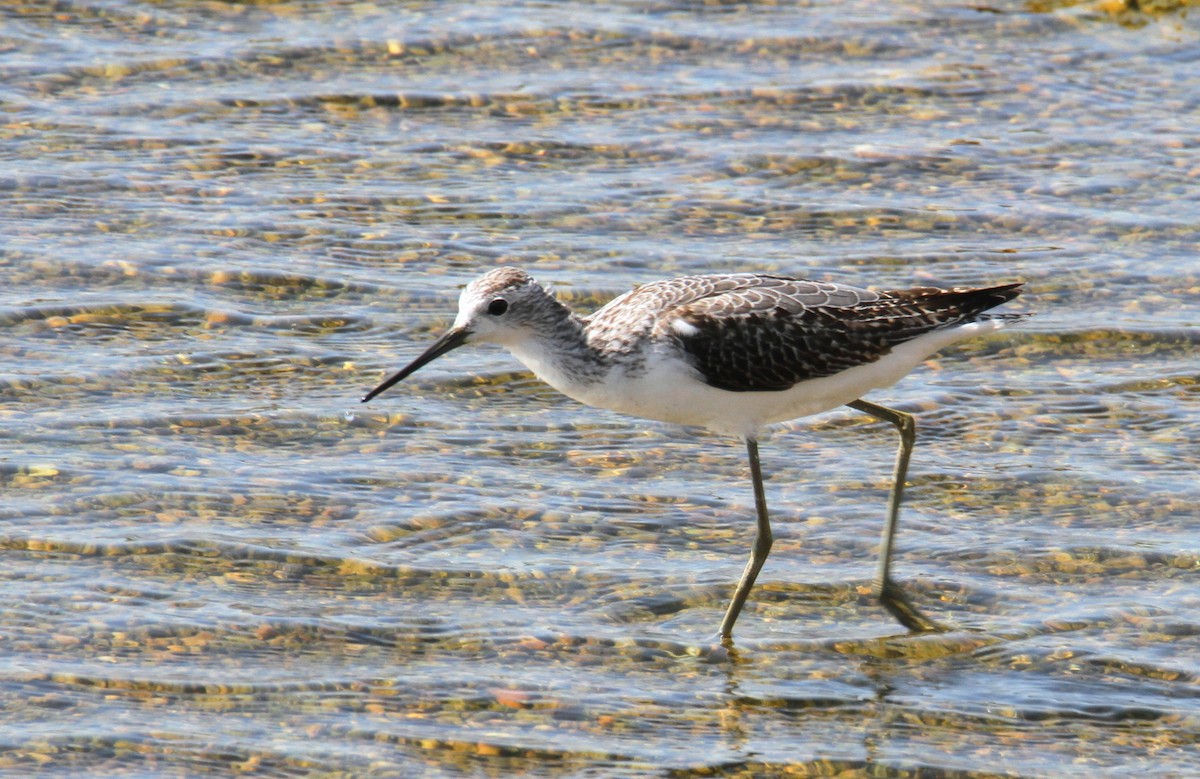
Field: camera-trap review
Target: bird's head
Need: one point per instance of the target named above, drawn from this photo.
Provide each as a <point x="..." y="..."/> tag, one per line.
<point x="502" y="306"/>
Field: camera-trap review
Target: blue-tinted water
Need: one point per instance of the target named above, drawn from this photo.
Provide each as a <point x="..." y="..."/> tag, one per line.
<point x="222" y="223"/>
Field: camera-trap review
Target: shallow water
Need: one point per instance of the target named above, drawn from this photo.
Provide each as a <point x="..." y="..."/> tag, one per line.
<point x="222" y="223"/>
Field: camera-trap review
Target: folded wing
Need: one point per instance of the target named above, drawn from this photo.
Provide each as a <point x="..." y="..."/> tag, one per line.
<point x="775" y="332"/>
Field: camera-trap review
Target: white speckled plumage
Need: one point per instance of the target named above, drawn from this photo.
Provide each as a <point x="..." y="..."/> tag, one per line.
<point x="787" y="348"/>
<point x="734" y="353"/>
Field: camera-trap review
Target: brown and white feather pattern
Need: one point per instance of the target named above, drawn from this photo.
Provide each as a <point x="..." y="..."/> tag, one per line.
<point x="756" y="332"/>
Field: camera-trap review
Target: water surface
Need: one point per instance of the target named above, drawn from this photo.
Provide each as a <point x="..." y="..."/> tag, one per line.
<point x="222" y="223"/>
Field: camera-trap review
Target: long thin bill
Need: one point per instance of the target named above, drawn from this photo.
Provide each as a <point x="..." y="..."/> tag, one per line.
<point x="452" y="339"/>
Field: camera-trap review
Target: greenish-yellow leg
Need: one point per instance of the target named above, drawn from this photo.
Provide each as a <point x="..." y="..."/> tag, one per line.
<point x="762" y="545"/>
<point x="886" y="588"/>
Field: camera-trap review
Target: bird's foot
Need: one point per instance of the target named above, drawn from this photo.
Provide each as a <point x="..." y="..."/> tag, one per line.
<point x="900" y="607"/>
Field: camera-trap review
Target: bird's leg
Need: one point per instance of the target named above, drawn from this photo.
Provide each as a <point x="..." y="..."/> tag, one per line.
<point x="762" y="545"/>
<point x="886" y="588"/>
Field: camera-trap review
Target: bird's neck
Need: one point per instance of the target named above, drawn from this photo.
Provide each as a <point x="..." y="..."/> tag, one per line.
<point x="557" y="350"/>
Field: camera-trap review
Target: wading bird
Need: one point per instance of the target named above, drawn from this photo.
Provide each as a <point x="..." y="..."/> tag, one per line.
<point x="734" y="353"/>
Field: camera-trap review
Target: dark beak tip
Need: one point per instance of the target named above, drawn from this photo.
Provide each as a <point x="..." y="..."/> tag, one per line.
<point x="451" y="340"/>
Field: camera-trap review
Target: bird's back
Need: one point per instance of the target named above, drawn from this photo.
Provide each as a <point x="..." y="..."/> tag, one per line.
<point x="758" y="332"/>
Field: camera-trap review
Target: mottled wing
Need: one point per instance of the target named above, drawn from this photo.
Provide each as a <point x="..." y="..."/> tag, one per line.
<point x="776" y="332"/>
<point x="621" y="325"/>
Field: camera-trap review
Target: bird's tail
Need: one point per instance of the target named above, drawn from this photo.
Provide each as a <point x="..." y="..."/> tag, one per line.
<point x="960" y="304"/>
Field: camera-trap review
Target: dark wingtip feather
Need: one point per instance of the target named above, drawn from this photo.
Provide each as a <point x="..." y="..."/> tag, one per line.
<point x="1002" y="293"/>
<point x="965" y="301"/>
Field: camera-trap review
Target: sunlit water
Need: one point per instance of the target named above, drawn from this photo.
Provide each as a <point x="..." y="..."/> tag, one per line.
<point x="222" y="223"/>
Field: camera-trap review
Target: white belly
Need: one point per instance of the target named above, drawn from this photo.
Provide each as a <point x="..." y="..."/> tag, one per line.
<point x="672" y="391"/>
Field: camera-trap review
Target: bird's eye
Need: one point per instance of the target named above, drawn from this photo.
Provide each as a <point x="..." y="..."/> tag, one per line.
<point x="497" y="306"/>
